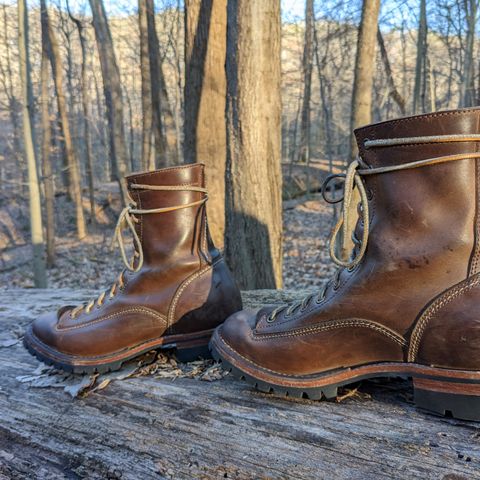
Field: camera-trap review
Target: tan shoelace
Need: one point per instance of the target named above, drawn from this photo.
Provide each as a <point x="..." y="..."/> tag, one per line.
<point x="128" y="219"/>
<point x="353" y="178"/>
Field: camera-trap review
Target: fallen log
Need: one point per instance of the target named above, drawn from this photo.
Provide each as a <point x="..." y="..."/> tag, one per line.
<point x="176" y="422"/>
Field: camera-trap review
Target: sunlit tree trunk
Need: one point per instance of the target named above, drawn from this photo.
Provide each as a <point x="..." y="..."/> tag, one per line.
<point x="39" y="270"/>
<point x="253" y="233"/>
<point x="364" y="68"/>
<point x="205" y="91"/>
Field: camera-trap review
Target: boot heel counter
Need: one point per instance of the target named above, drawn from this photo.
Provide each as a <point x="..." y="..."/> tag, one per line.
<point x="451" y="336"/>
<point x="224" y="280"/>
<point x="205" y="300"/>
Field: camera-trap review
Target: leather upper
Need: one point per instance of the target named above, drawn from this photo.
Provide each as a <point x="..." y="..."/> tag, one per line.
<point x="423" y="225"/>
<point x="182" y="287"/>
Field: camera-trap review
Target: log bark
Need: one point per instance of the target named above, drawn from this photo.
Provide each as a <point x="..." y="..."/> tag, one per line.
<point x="149" y="427"/>
<point x="253" y="230"/>
<point x="205" y="136"/>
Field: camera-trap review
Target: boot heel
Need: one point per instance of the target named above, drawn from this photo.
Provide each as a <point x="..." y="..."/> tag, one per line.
<point x="190" y="354"/>
<point x="448" y="398"/>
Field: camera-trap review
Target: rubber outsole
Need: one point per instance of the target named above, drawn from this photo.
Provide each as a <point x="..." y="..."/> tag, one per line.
<point x="182" y="354"/>
<point x="440" y="396"/>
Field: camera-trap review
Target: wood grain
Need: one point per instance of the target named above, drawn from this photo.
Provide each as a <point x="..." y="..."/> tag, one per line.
<point x="142" y="428"/>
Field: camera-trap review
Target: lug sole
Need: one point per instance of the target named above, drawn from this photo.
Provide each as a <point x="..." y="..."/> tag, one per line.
<point x="186" y="348"/>
<point x="443" y="392"/>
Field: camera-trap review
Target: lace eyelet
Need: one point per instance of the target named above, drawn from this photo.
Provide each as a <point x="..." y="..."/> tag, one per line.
<point x="269" y="319"/>
<point x="369" y="194"/>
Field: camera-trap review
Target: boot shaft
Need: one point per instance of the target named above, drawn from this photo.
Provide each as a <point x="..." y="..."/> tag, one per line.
<point x="424" y="221"/>
<point x="177" y="236"/>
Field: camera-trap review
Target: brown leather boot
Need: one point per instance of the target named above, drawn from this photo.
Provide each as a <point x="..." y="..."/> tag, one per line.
<point x="406" y="302"/>
<point x="172" y="294"/>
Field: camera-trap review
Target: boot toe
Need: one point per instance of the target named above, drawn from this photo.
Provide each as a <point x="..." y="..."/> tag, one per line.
<point x="44" y="328"/>
<point x="236" y="332"/>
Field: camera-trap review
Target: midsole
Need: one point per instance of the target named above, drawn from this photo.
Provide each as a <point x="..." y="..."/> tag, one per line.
<point x="341" y="376"/>
<point x="179" y="341"/>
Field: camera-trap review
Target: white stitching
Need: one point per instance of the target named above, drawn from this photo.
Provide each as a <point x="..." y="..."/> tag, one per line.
<point x="146" y="311"/>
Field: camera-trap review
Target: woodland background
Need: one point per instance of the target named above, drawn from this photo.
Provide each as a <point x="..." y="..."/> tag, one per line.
<point x="266" y="93"/>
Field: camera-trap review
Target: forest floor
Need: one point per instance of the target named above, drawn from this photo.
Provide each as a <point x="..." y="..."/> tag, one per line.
<point x="94" y="263"/>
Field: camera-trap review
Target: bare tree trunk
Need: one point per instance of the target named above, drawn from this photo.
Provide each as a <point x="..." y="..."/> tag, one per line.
<point x="205" y="137"/>
<point x="418" y="105"/>
<point x="87" y="116"/>
<point x="113" y="93"/>
<point x="46" y="160"/>
<point x="305" y="128"/>
<point x="147" y="114"/>
<point x="52" y="49"/>
<point x="364" y="68"/>
<point x="8" y="80"/>
<point x="466" y="91"/>
<point x="39" y="271"/>
<point x="253" y="232"/>
<point x="394" y="93"/>
<point x="163" y="119"/>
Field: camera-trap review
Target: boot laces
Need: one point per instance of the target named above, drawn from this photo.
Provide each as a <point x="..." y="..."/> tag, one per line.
<point x="353" y="179"/>
<point x="128" y="218"/>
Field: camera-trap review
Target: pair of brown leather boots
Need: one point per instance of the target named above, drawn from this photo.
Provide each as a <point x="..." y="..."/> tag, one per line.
<point x="404" y="303"/>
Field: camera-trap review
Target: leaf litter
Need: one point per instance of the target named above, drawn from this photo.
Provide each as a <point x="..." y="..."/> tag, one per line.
<point x="154" y="364"/>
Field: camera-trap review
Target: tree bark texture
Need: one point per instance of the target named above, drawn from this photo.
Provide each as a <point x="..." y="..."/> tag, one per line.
<point x="205" y="91"/>
<point x="253" y="233"/>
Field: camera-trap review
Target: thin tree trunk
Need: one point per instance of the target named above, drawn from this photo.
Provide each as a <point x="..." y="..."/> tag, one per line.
<point x="394" y="93"/>
<point x="163" y="119"/>
<point x="466" y="91"/>
<point x="253" y="232"/>
<point x="52" y="49"/>
<point x="39" y="270"/>
<point x="364" y="68"/>
<point x="418" y="105"/>
<point x="87" y="116"/>
<point x="205" y="136"/>
<point x="147" y="114"/>
<point x="113" y="94"/>
<point x="305" y="128"/>
<point x="46" y="160"/>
